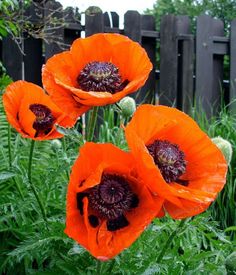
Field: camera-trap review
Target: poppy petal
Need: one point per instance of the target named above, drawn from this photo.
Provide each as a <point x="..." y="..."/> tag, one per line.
<point x="61" y="71"/>
<point x="18" y="98"/>
<point x="206" y="167"/>
<point x="104" y="238"/>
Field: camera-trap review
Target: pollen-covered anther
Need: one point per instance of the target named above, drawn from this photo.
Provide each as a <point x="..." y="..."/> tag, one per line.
<point x="112" y="198"/>
<point x="101" y="77"/>
<point x="169" y="159"/>
<point x="44" y="119"/>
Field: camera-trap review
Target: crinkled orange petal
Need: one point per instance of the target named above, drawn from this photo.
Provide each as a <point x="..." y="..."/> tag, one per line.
<point x="206" y="167"/>
<point x="62" y="97"/>
<point x="61" y="71"/>
<point x="94" y="160"/>
<point x="190" y="209"/>
<point x="144" y="163"/>
<point x="17" y="100"/>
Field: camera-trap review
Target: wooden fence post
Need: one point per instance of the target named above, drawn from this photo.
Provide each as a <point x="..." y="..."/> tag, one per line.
<point x="148" y="91"/>
<point x="33" y="60"/>
<point x="185" y="65"/>
<point x="132" y="25"/>
<point x="54" y="30"/>
<point x="94" y="21"/>
<point x="233" y="67"/>
<point x="208" y="69"/>
<point x="170" y="84"/>
<point x="73" y="28"/>
<point x="12" y="58"/>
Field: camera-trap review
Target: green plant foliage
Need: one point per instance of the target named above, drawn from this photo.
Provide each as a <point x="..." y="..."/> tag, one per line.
<point x="29" y="246"/>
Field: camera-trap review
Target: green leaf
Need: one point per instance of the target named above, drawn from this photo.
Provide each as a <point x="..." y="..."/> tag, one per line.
<point x="6" y="175"/>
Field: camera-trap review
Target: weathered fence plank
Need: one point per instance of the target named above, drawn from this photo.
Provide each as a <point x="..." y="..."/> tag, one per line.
<point x="54" y="28"/>
<point x="186" y="71"/>
<point x="73" y="28"/>
<point x="33" y="49"/>
<point x="94" y="22"/>
<point x="147" y="93"/>
<point x="168" y="61"/>
<point x="233" y="67"/>
<point x="208" y="67"/>
<point x="170" y="85"/>
<point x="132" y="25"/>
<point x="185" y="65"/>
<point x="12" y="58"/>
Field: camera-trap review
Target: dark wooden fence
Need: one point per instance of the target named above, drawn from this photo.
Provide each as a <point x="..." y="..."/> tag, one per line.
<point x="191" y="67"/>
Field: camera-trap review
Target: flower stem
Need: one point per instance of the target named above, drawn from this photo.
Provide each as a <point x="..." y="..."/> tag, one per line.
<point x="92" y="123"/>
<point x="169" y="240"/>
<point x="99" y="266"/>
<point x="41" y="206"/>
<point x="10" y="161"/>
<point x="9" y="146"/>
<point x="111" y="266"/>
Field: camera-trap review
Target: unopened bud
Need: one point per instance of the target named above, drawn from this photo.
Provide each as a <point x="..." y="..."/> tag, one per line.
<point x="225" y="147"/>
<point x="56" y="144"/>
<point x="127" y="106"/>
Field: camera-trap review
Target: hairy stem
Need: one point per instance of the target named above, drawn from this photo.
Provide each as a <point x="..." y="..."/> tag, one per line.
<point x="41" y="206"/>
<point x="9" y="146"/>
<point x="92" y="123"/>
<point x="99" y="266"/>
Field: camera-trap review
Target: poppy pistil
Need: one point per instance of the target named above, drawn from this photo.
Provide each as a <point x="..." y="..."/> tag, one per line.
<point x="44" y="119"/>
<point x="101" y="77"/>
<point x="169" y="159"/>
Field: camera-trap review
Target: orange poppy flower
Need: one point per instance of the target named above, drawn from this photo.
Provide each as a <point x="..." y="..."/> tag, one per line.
<point x="179" y="156"/>
<point x="108" y="206"/>
<point x="98" y="70"/>
<point x="32" y="113"/>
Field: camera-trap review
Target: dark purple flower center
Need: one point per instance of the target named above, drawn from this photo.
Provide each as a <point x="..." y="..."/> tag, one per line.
<point x="100" y="77"/>
<point x="110" y="200"/>
<point x="169" y="159"/>
<point x="44" y="119"/>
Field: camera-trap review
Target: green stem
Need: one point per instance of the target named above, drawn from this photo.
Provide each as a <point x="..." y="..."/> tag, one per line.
<point x="64" y="150"/>
<point x="92" y="123"/>
<point x="9" y="146"/>
<point x="169" y="240"/>
<point x="99" y="266"/>
<point x="10" y="161"/>
<point x="41" y="206"/>
<point x="111" y="266"/>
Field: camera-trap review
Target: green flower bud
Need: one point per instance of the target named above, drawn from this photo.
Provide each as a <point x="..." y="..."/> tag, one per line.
<point x="230" y="263"/>
<point x="56" y="144"/>
<point x="225" y="147"/>
<point x="127" y="106"/>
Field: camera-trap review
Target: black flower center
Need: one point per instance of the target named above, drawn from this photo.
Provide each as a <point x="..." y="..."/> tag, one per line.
<point x="112" y="197"/>
<point x="110" y="200"/>
<point x="100" y="76"/>
<point x="44" y="118"/>
<point x="169" y="159"/>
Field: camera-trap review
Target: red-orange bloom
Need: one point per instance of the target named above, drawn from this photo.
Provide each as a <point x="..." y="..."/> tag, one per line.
<point x="108" y="205"/>
<point x="32" y="113"/>
<point x="179" y="156"/>
<point x="97" y="71"/>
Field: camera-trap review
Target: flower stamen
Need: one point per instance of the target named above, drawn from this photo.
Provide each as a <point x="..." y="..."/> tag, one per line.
<point x="109" y="200"/>
<point x="44" y="119"/>
<point x="101" y="77"/>
<point x="169" y="159"/>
